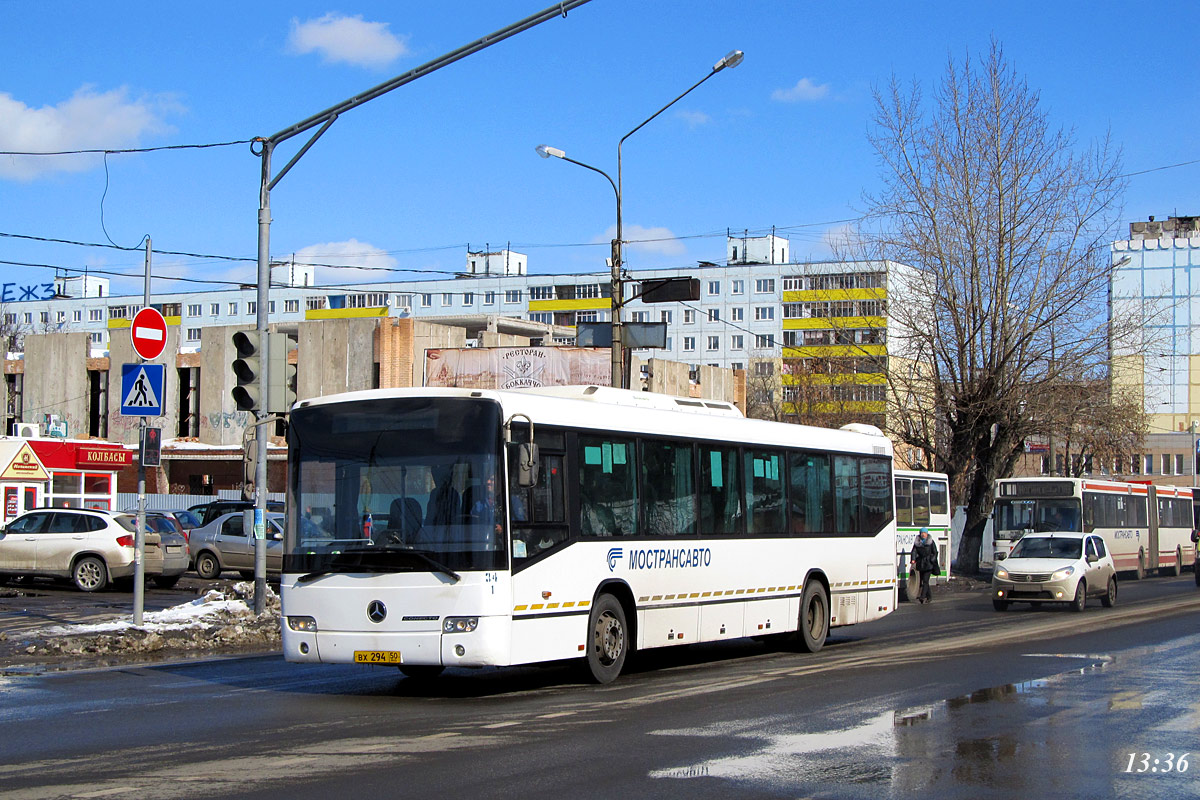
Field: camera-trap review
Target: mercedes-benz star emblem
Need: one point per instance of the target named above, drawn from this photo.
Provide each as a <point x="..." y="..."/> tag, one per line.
<point x="376" y="611"/>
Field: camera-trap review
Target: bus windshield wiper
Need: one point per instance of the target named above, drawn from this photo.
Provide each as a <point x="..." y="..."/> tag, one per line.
<point x="341" y="561"/>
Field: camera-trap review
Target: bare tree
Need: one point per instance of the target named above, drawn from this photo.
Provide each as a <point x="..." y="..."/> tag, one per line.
<point x="1091" y="423"/>
<point x="764" y="392"/>
<point x="1006" y="229"/>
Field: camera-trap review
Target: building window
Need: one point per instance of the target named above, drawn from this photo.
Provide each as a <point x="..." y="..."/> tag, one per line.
<point x="270" y="307"/>
<point x="737" y="314"/>
<point x="233" y="309"/>
<point x="739" y="287"/>
<point x="214" y="308"/>
<point x="77" y="315"/>
<point x="96" y="315"/>
<point x="764" y="368"/>
<point x="28" y="318"/>
<point x="426" y="300"/>
<point x="1166" y="463"/>
<point x="544" y="317"/>
<point x="61" y="316"/>
<point x="639" y="316"/>
<point x="314" y="303"/>
<point x="664" y="316"/>
<point x="764" y="285"/>
<point x="291" y="306"/>
<point x="714" y="287"/>
<point x="1179" y="464"/>
<point x="447" y="299"/>
<point x="689" y="316"/>
<point x="588" y="291"/>
<point x="193" y="334"/>
<point x="764" y="342"/>
<point x="512" y="296"/>
<point x="97" y="338"/>
<point x="1148" y="462"/>
<point x="689" y="344"/>
<point x="251" y="308"/>
<point x="714" y="343"/>
<point x="587" y="316"/>
<point x="44" y="317"/>
<point x="194" y="310"/>
<point x="737" y="341"/>
<point x="714" y="315"/>
<point x="489" y="298"/>
<point x="468" y="298"/>
<point x="764" y="312"/>
<point x="541" y="292"/>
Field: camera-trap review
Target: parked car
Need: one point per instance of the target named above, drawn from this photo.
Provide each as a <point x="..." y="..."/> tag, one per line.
<point x="207" y="512"/>
<point x="187" y="519"/>
<point x="1055" y="568"/>
<point x="174" y="543"/>
<point x="228" y="543"/>
<point x="91" y="548"/>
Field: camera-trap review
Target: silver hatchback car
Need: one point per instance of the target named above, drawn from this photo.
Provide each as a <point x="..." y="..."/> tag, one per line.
<point x="1055" y="568"/>
<point x="228" y="543"/>
<point x="91" y="548"/>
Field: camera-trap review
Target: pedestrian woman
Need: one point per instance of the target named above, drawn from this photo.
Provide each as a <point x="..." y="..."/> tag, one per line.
<point x="924" y="559"/>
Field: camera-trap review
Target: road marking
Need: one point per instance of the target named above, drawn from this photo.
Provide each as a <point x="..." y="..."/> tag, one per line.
<point x="106" y="792"/>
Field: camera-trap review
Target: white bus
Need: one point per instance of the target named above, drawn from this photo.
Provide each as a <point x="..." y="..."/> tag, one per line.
<point x="626" y="520"/>
<point x="922" y="501"/>
<point x="1145" y="527"/>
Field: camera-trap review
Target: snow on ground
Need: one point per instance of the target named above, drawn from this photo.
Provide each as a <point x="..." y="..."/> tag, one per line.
<point x="217" y="621"/>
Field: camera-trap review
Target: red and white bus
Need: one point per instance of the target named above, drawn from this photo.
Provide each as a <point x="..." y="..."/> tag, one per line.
<point x="1145" y="527"/>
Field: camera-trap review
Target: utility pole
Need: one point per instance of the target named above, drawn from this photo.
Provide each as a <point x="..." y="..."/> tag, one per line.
<point x="139" y="544"/>
<point x="266" y="147"/>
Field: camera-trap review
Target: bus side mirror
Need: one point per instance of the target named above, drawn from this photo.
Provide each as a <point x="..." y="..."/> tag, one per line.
<point x="528" y="465"/>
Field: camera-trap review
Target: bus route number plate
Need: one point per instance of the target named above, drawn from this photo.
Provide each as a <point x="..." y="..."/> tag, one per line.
<point x="378" y="657"/>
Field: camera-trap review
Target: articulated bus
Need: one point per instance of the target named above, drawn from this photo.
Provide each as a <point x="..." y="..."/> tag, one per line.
<point x="433" y="528"/>
<point x="1145" y="527"/>
<point x="922" y="501"/>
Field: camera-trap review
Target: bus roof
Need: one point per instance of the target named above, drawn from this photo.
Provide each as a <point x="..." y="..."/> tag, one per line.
<point x="609" y="409"/>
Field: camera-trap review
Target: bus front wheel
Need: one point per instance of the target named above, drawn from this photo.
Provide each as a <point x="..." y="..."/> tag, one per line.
<point x="814" y="617"/>
<point x="608" y="639"/>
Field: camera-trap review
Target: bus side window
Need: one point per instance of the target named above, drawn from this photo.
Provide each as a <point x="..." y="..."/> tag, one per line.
<point x="608" y="501"/>
<point x="847" y="493"/>
<point x="720" y="490"/>
<point x="920" y="501"/>
<point x="904" y="511"/>
<point x="939" y="498"/>
<point x="876" y="494"/>
<point x="668" y="488"/>
<point x="810" y="499"/>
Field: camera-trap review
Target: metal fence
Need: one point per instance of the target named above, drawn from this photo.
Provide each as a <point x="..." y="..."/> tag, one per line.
<point x="172" y="502"/>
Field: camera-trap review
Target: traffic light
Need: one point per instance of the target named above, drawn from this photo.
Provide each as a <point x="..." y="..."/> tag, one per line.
<point x="151" y="455"/>
<point x="282" y="394"/>
<point x="247" y="368"/>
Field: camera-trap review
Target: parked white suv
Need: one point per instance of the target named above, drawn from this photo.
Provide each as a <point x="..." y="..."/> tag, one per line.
<point x="92" y="548"/>
<point x="1055" y="568"/>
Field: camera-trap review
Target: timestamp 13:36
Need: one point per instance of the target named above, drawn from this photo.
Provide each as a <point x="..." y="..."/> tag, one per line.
<point x="1147" y="762"/>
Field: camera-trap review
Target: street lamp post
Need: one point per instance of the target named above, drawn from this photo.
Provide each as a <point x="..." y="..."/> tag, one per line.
<point x="620" y="378"/>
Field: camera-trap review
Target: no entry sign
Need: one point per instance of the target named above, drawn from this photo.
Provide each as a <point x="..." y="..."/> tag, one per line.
<point x="149" y="332"/>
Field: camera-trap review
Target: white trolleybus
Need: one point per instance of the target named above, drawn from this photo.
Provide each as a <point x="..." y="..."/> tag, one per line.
<point x="433" y="528"/>
<point x="922" y="501"/>
<point x="1145" y="527"/>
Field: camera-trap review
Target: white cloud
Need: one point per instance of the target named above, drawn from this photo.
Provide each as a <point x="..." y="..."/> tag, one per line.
<point x="346" y="256"/>
<point x="89" y="120"/>
<point x="694" y="119"/>
<point x="658" y="241"/>
<point x="804" y="90"/>
<point x="349" y="40"/>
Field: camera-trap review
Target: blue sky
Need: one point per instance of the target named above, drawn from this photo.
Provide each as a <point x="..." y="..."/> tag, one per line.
<point x="410" y="179"/>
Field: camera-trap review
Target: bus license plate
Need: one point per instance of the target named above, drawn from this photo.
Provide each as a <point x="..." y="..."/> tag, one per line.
<point x="378" y="657"/>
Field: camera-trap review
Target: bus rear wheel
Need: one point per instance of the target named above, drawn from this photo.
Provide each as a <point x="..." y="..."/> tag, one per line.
<point x="1141" y="567"/>
<point x="608" y="639"/>
<point x="814" y="617"/>
<point x="1175" y="570"/>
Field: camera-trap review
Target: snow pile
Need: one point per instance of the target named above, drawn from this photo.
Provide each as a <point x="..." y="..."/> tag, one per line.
<point x="218" y="620"/>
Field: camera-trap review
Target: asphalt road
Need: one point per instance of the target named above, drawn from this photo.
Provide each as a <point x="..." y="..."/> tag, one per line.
<point x="946" y="700"/>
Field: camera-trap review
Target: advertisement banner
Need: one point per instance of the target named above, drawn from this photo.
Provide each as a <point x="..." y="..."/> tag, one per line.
<point x="517" y="367"/>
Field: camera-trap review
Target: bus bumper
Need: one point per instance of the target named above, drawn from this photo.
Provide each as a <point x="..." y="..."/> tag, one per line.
<point x="487" y="645"/>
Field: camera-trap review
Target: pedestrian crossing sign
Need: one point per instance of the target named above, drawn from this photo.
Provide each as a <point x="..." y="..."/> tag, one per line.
<point x="142" y="390"/>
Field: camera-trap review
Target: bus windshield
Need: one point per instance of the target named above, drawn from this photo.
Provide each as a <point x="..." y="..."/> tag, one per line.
<point x="398" y="484"/>
<point x="1018" y="516"/>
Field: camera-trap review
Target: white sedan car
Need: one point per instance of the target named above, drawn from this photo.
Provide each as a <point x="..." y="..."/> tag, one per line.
<point x="1055" y="568"/>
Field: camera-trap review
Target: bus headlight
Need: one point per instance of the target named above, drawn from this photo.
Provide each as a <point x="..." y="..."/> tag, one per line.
<point x="1065" y="572"/>
<point x="460" y="624"/>
<point x="303" y="624"/>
